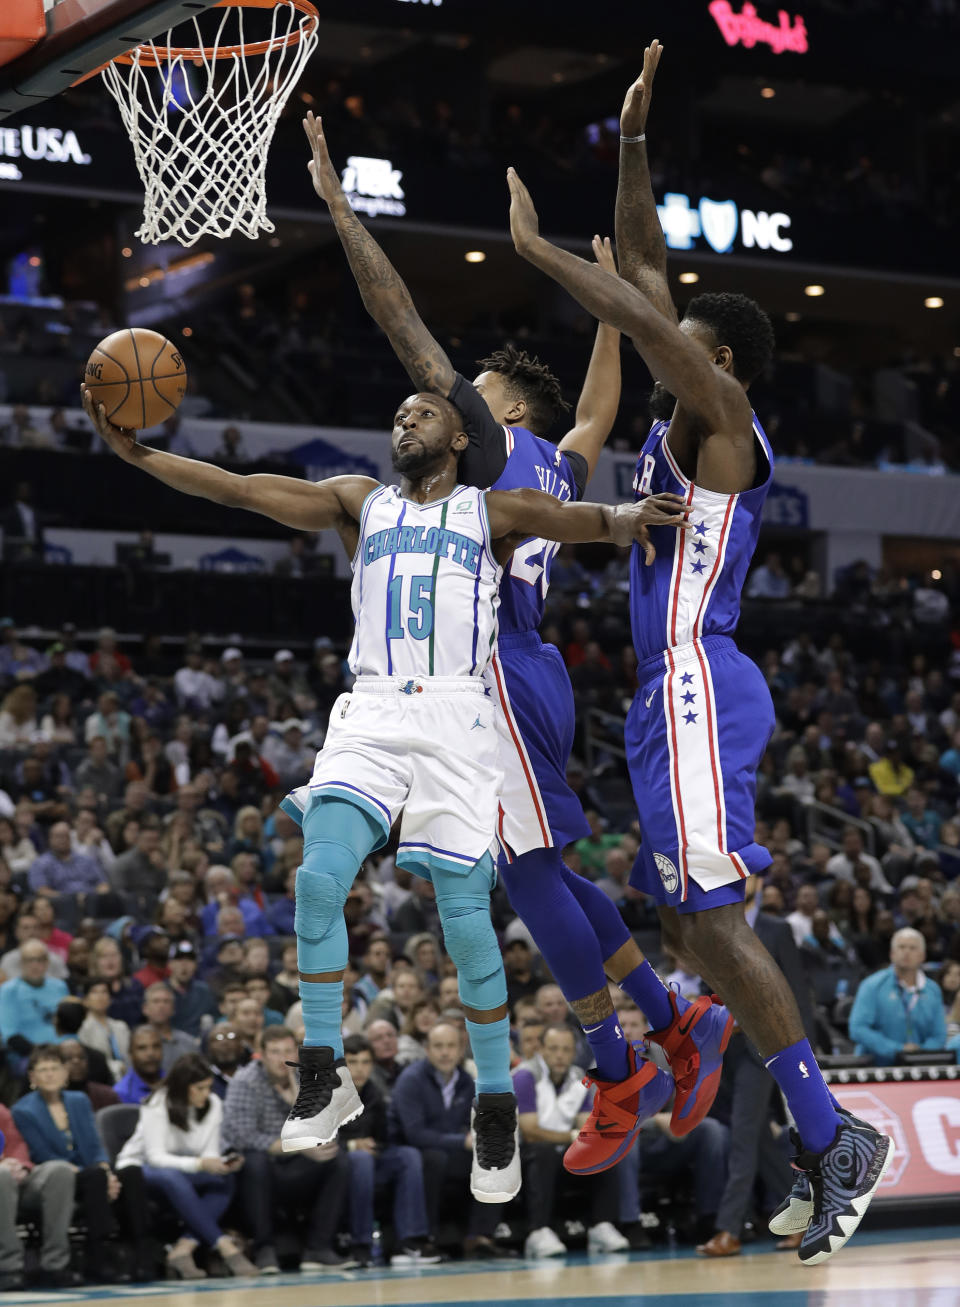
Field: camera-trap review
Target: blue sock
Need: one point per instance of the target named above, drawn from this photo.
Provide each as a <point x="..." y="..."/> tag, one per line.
<point x="490" y="1045"/>
<point x="810" y="1102"/>
<point x="651" y="996"/>
<point x="322" y="1003"/>
<point x="609" y="1048"/>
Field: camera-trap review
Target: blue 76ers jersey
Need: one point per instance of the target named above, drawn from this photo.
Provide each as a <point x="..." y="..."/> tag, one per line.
<point x="425" y="583"/>
<point x="532" y="464"/>
<point x="692" y="589"/>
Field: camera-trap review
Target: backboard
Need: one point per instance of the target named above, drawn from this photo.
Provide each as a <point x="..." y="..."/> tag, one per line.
<point x="47" y="45"/>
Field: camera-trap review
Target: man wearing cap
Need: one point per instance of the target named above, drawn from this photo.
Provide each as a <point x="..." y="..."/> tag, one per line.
<point x="233" y="675"/>
<point x="196" y="688"/>
<point x="287" y="754"/>
<point x="193" y="999"/>
<point x="153" y="945"/>
<point x="75" y="658"/>
<point x="60" y="677"/>
<point x="287" y="683"/>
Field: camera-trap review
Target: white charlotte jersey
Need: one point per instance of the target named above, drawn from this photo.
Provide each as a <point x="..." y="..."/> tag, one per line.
<point x="425" y="586"/>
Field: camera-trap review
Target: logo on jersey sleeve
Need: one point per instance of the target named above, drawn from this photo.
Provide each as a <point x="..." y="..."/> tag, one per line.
<point x="668" y="872"/>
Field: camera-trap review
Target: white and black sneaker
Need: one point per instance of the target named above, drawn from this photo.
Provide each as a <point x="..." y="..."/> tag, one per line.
<point x="793" y="1214"/>
<point x="495" y="1172"/>
<point x="327" y="1100"/>
<point x="843" y="1179"/>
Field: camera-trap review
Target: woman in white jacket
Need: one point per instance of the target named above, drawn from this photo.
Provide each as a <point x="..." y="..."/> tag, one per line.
<point x="105" y="1033"/>
<point x="177" y="1142"/>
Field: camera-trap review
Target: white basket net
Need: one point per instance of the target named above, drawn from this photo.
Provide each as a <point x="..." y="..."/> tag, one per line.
<point x="201" y="152"/>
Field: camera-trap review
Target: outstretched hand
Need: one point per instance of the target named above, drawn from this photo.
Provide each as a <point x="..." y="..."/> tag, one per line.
<point x="636" y="106"/>
<point x="524" y="223"/>
<point x="325" y="180"/>
<point x="120" y="439"/>
<point x="603" y="253"/>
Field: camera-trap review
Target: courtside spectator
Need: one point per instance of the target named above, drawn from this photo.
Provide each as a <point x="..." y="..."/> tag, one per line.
<point x="28" y="1192"/>
<point x="227" y="1053"/>
<point x="177" y="1145"/>
<point x="385" y="1042"/>
<point x="57" y="1125"/>
<point x="26" y="928"/>
<point x="430" y="1110"/>
<point x="76" y="1059"/>
<point x="312" y="1182"/>
<point x="552" y="1107"/>
<point x="375" y="1163"/>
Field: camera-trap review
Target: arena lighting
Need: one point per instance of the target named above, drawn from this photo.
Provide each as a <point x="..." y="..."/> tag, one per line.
<point x="936" y="574"/>
<point x="689" y="278"/>
<point x="813" y="291"/>
<point x="933" y="302"/>
<point x="767" y="92"/>
<point x="792" y="316"/>
<point x="474" y="256"/>
<point x="127" y="252"/>
<point x="186" y="331"/>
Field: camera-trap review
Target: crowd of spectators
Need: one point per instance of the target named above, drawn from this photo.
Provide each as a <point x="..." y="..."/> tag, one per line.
<point x="146" y="917"/>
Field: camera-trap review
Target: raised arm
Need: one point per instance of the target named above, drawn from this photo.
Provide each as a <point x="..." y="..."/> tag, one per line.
<point x="304" y="505"/>
<point x="384" y="293"/>
<point x="684" y="367"/>
<point x="641" y="249"/>
<point x="600" y="396"/>
<point x="515" y="515"/>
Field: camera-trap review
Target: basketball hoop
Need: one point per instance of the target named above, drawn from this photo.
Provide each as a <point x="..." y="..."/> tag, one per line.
<point x="202" y="154"/>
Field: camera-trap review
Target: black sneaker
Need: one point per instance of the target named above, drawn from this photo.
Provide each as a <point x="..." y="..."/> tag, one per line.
<point x="843" y="1179"/>
<point x="416" y="1252"/>
<point x="327" y="1100"/>
<point x="793" y="1214"/>
<point x="495" y="1172"/>
<point x="325" y="1259"/>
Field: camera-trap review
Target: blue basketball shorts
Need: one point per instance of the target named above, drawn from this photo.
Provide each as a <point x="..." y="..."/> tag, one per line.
<point x="528" y="682"/>
<point x="695" y="735"/>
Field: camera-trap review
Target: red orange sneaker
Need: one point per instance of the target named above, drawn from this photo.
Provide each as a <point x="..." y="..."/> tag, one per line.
<point x="620" y="1108"/>
<point x="695" y="1042"/>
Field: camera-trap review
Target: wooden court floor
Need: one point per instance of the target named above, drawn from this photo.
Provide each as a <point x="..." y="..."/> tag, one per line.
<point x="877" y="1269"/>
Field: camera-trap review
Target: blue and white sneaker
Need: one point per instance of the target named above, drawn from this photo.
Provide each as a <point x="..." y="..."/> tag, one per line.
<point x="793" y="1214"/>
<point x="843" y="1180"/>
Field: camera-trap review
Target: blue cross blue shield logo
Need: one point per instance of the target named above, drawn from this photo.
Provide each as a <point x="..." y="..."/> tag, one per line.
<point x="719" y="220"/>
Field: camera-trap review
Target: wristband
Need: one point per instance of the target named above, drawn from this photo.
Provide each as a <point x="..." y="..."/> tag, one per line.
<point x="633" y="140"/>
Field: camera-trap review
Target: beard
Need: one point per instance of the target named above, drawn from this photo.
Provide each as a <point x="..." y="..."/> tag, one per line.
<point x="412" y="462"/>
<point x="661" y="403"/>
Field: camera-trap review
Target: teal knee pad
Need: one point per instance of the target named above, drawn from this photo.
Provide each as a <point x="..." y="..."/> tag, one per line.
<point x="472" y="944"/>
<point x="337" y="837"/>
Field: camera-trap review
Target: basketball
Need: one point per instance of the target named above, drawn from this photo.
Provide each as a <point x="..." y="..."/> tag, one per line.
<point x="138" y="376"/>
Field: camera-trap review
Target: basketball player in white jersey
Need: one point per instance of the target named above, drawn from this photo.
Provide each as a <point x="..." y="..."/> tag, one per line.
<point x="415" y="740"/>
<point x="700" y="722"/>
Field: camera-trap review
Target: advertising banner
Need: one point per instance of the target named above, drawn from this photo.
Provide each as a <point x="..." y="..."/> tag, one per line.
<point x="923" y="1119"/>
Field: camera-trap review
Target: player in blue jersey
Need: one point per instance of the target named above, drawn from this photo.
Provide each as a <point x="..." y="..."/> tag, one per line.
<point x="702" y="716"/>
<point x="415" y="739"/>
<point x="511" y="405"/>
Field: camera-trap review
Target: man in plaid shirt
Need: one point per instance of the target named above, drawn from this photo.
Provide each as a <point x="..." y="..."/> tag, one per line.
<point x="313" y="1180"/>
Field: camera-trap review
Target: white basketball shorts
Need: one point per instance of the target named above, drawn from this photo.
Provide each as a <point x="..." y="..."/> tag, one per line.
<point x="424" y="750"/>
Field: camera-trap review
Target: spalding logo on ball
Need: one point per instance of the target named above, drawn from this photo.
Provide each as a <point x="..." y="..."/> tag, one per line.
<point x="138" y="376"/>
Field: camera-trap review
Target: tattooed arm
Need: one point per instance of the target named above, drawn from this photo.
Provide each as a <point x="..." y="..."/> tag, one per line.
<point x="641" y="249"/>
<point x="686" y="369"/>
<point x="385" y="296"/>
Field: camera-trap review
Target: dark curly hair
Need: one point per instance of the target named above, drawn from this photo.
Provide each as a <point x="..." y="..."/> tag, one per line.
<point x="530" y="380"/>
<point x="740" y="323"/>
